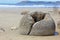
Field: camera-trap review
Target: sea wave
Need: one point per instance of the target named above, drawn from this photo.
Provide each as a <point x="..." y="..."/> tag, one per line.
<point x="32" y="4"/>
<point x="24" y="6"/>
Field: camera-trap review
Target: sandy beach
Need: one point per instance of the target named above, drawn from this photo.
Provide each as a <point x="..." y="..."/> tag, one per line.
<point x="10" y="17"/>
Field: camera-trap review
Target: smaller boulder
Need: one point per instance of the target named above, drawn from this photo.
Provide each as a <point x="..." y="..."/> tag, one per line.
<point x="25" y="24"/>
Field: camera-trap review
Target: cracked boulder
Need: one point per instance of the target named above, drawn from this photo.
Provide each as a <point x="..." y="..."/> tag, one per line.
<point x="37" y="23"/>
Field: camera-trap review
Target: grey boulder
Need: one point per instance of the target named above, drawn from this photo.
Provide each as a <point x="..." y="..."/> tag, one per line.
<point x="43" y="27"/>
<point x="25" y="24"/>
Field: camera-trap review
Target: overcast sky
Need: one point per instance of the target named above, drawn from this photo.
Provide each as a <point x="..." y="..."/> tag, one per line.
<point x="16" y="1"/>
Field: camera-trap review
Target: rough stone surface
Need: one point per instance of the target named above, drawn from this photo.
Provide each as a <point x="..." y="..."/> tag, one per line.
<point x="43" y="27"/>
<point x="25" y="24"/>
<point x="37" y="16"/>
<point x="24" y="12"/>
<point x="58" y="24"/>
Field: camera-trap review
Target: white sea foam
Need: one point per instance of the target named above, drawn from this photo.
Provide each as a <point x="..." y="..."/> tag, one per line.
<point x="27" y="6"/>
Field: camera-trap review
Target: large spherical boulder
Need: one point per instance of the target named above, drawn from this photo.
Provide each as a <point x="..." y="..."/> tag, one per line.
<point x="25" y="24"/>
<point x="44" y="27"/>
<point x="36" y="23"/>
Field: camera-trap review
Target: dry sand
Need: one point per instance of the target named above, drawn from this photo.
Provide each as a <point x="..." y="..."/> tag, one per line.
<point x="8" y="20"/>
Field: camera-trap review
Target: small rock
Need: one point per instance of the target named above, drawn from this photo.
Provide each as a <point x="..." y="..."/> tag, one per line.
<point x="56" y="33"/>
<point x="14" y="28"/>
<point x="2" y="30"/>
<point x="24" y="12"/>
